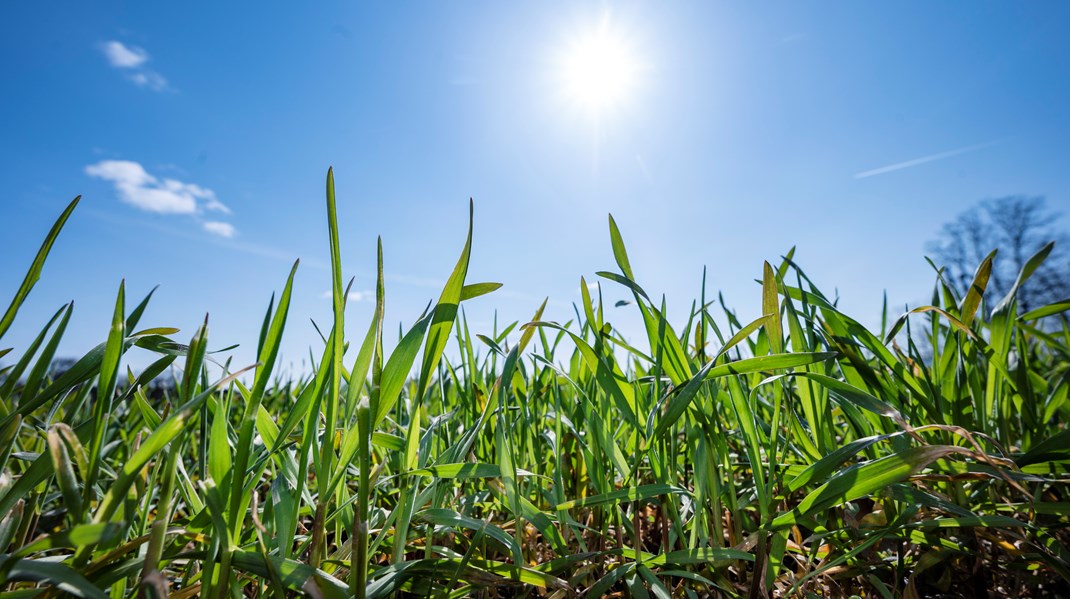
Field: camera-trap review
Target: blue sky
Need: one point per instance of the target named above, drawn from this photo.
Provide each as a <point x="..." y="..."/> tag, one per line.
<point x="200" y="135"/>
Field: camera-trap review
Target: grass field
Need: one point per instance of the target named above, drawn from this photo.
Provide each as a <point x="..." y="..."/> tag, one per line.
<point x="796" y="455"/>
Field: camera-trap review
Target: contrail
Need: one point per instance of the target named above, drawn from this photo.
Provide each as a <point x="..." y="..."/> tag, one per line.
<point x="925" y="159"/>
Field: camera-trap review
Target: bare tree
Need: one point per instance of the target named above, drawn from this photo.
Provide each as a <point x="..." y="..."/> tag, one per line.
<point x="1018" y="226"/>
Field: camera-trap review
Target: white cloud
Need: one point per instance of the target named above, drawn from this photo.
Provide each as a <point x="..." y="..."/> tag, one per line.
<point x="138" y="188"/>
<point x="132" y="59"/>
<point x="122" y="56"/>
<point x="354" y="296"/>
<point x="149" y="79"/>
<point x="219" y="228"/>
<point x="211" y="203"/>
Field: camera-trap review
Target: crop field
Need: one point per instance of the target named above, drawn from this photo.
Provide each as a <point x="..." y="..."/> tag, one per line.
<point x="800" y="454"/>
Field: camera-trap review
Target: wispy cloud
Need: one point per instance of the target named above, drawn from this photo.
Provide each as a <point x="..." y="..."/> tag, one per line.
<point x="150" y="79"/>
<point x="142" y="190"/>
<point x="132" y="60"/>
<point x="220" y="228"/>
<point x="925" y="159"/>
<point x="121" y="56"/>
<point x="354" y="296"/>
<point x="272" y="252"/>
<point x="138" y="188"/>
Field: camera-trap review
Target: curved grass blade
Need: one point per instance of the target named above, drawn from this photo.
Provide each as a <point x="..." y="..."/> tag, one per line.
<point x="630" y="494"/>
<point x="477" y="289"/>
<point x="679" y="403"/>
<point x="1048" y="310"/>
<point x="238" y="498"/>
<point x="864" y="479"/>
<point x="445" y="312"/>
<point x="61" y="576"/>
<point x="34" y="273"/>
<point x="769" y="363"/>
<point x="450" y="518"/>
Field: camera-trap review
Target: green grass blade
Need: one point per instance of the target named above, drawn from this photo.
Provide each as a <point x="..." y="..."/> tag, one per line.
<point x="865" y="479"/>
<point x="445" y="313"/>
<point x="34" y="273"/>
<point x="632" y="494"/>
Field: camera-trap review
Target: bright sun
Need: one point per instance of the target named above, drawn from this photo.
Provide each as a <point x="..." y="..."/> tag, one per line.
<point x="599" y="70"/>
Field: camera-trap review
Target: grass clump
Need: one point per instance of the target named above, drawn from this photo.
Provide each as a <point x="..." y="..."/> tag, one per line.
<point x="798" y="454"/>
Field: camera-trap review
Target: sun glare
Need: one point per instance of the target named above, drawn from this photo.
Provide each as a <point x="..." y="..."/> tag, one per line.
<point x="599" y="70"/>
